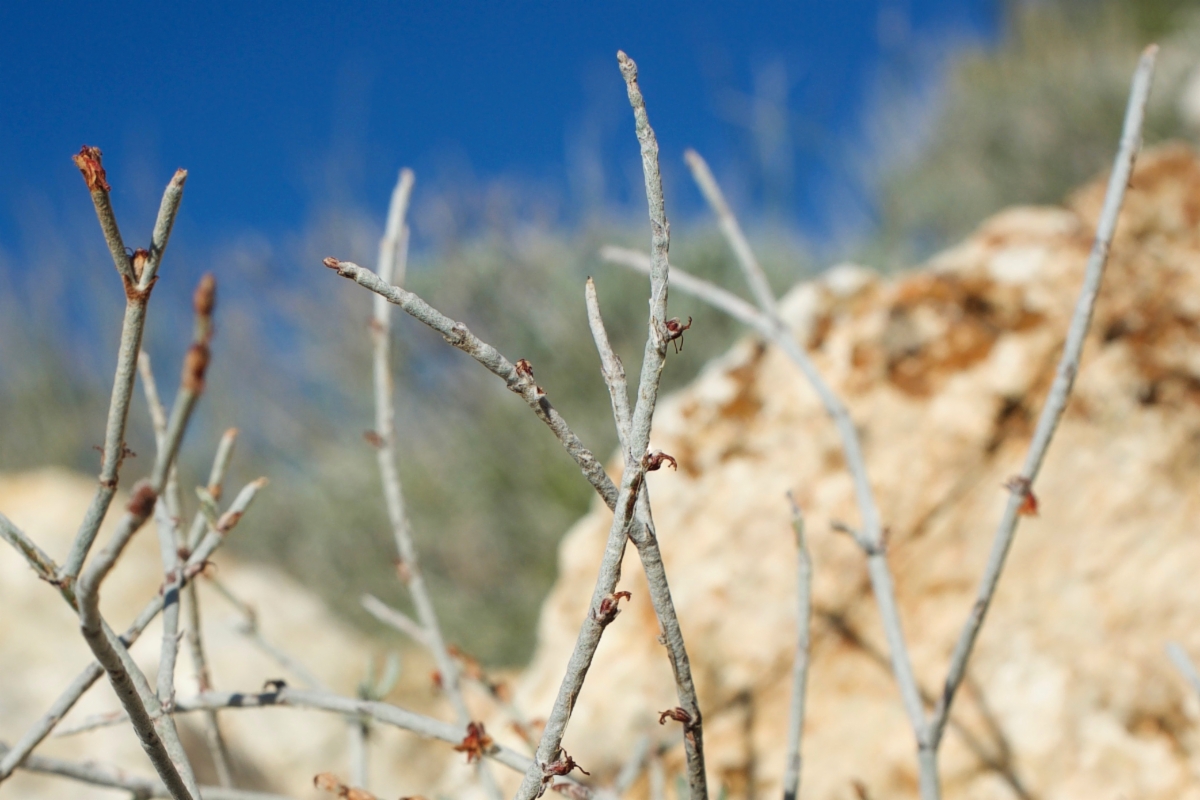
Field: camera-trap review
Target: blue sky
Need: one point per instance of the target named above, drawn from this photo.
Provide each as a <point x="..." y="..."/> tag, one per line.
<point x="276" y="109"/>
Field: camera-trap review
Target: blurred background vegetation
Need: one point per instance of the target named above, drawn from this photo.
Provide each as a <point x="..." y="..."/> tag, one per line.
<point x="1024" y="120"/>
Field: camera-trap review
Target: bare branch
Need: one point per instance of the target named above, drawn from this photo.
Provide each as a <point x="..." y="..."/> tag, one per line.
<point x="137" y="295"/>
<point x="1060" y="390"/>
<point x="395" y="619"/>
<point x="610" y="366"/>
<point x="710" y="293"/>
<point x="1184" y="664"/>
<point x="137" y="699"/>
<point x="385" y="713"/>
<point x="520" y="382"/>
<point x="41" y="563"/>
<point x="733" y="233"/>
<point x="90" y="674"/>
<point x="393" y="257"/>
<point x="115" y="778"/>
<point x="791" y="777"/>
<point x="89" y="161"/>
<point x="214" y="739"/>
<point x="871" y="537"/>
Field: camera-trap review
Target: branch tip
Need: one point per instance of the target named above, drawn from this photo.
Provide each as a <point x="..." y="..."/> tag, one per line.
<point x="89" y="161"/>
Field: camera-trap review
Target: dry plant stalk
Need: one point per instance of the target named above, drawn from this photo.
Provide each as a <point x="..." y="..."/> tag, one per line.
<point x="631" y="517"/>
<point x="928" y="726"/>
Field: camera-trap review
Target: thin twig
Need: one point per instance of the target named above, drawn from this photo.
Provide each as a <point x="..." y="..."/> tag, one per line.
<point x="610" y="366"/>
<point x="251" y="630"/>
<point x="41" y="563"/>
<point x="1060" y="390"/>
<point x="1184" y="664"/>
<point x="457" y="334"/>
<point x="631" y="496"/>
<point x="388" y="714"/>
<point x="791" y="777"/>
<point x="751" y="269"/>
<point x="91" y="673"/>
<point x="393" y="259"/>
<point x="115" y="778"/>
<point x="213" y="737"/>
<point x="169" y="436"/>
<point x="395" y="619"/>
<point x="137" y="296"/>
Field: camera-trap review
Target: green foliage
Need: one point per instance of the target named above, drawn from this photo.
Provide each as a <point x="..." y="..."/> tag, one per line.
<point x="1030" y="119"/>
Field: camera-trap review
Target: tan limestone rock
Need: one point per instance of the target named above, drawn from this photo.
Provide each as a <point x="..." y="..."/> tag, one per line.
<point x="944" y="370"/>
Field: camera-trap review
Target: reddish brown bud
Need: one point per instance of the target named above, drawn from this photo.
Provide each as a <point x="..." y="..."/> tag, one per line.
<point x="563" y="766"/>
<point x="655" y="460"/>
<point x="195" y="365"/>
<point x="524" y="368"/>
<point x="332" y="263"/>
<point x="1022" y="486"/>
<point x="228" y="520"/>
<point x="374" y="439"/>
<point x="677" y="714"/>
<point x="138" y="261"/>
<point x="476" y="744"/>
<point x="89" y="162"/>
<point x="608" y="609"/>
<point x="205" y="298"/>
<point x="675" y="330"/>
<point x="141" y="502"/>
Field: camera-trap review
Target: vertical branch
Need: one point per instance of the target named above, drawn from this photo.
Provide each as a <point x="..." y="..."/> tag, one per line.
<point x="138" y="276"/>
<point x="213" y="737"/>
<point x="171" y="539"/>
<point x="1060" y="390"/>
<point x="791" y="776"/>
<point x="732" y="230"/>
<point x="393" y="255"/>
<point x="134" y="697"/>
<point x="870" y="538"/>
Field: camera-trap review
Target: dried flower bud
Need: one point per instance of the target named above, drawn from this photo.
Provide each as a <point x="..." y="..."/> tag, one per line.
<point x="655" y="460"/>
<point x="476" y="744"/>
<point x="89" y="162"/>
<point x="1022" y="486"/>
<point x="141" y="502"/>
<point x="677" y="714"/>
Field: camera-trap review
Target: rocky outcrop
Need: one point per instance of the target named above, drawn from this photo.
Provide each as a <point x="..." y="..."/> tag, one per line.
<point x="944" y="370"/>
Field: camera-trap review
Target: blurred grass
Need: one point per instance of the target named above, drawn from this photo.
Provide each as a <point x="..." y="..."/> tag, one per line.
<point x="489" y="489"/>
<point x="1026" y="122"/>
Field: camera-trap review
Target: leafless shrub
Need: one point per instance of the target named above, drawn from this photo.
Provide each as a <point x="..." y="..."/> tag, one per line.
<point x="151" y="710"/>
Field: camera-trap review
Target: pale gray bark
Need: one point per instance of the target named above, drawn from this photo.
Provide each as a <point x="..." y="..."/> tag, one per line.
<point x="791" y="776"/>
<point x="137" y="294"/>
<point x="429" y="727"/>
<point x="928" y="729"/>
<point x="115" y="778"/>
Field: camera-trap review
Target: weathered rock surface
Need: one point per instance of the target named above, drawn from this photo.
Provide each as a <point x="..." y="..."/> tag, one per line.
<point x="944" y="370"/>
<point x="41" y="652"/>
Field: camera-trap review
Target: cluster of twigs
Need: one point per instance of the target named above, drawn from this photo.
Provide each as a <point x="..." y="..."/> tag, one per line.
<point x="928" y="724"/>
<point x="186" y="549"/>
